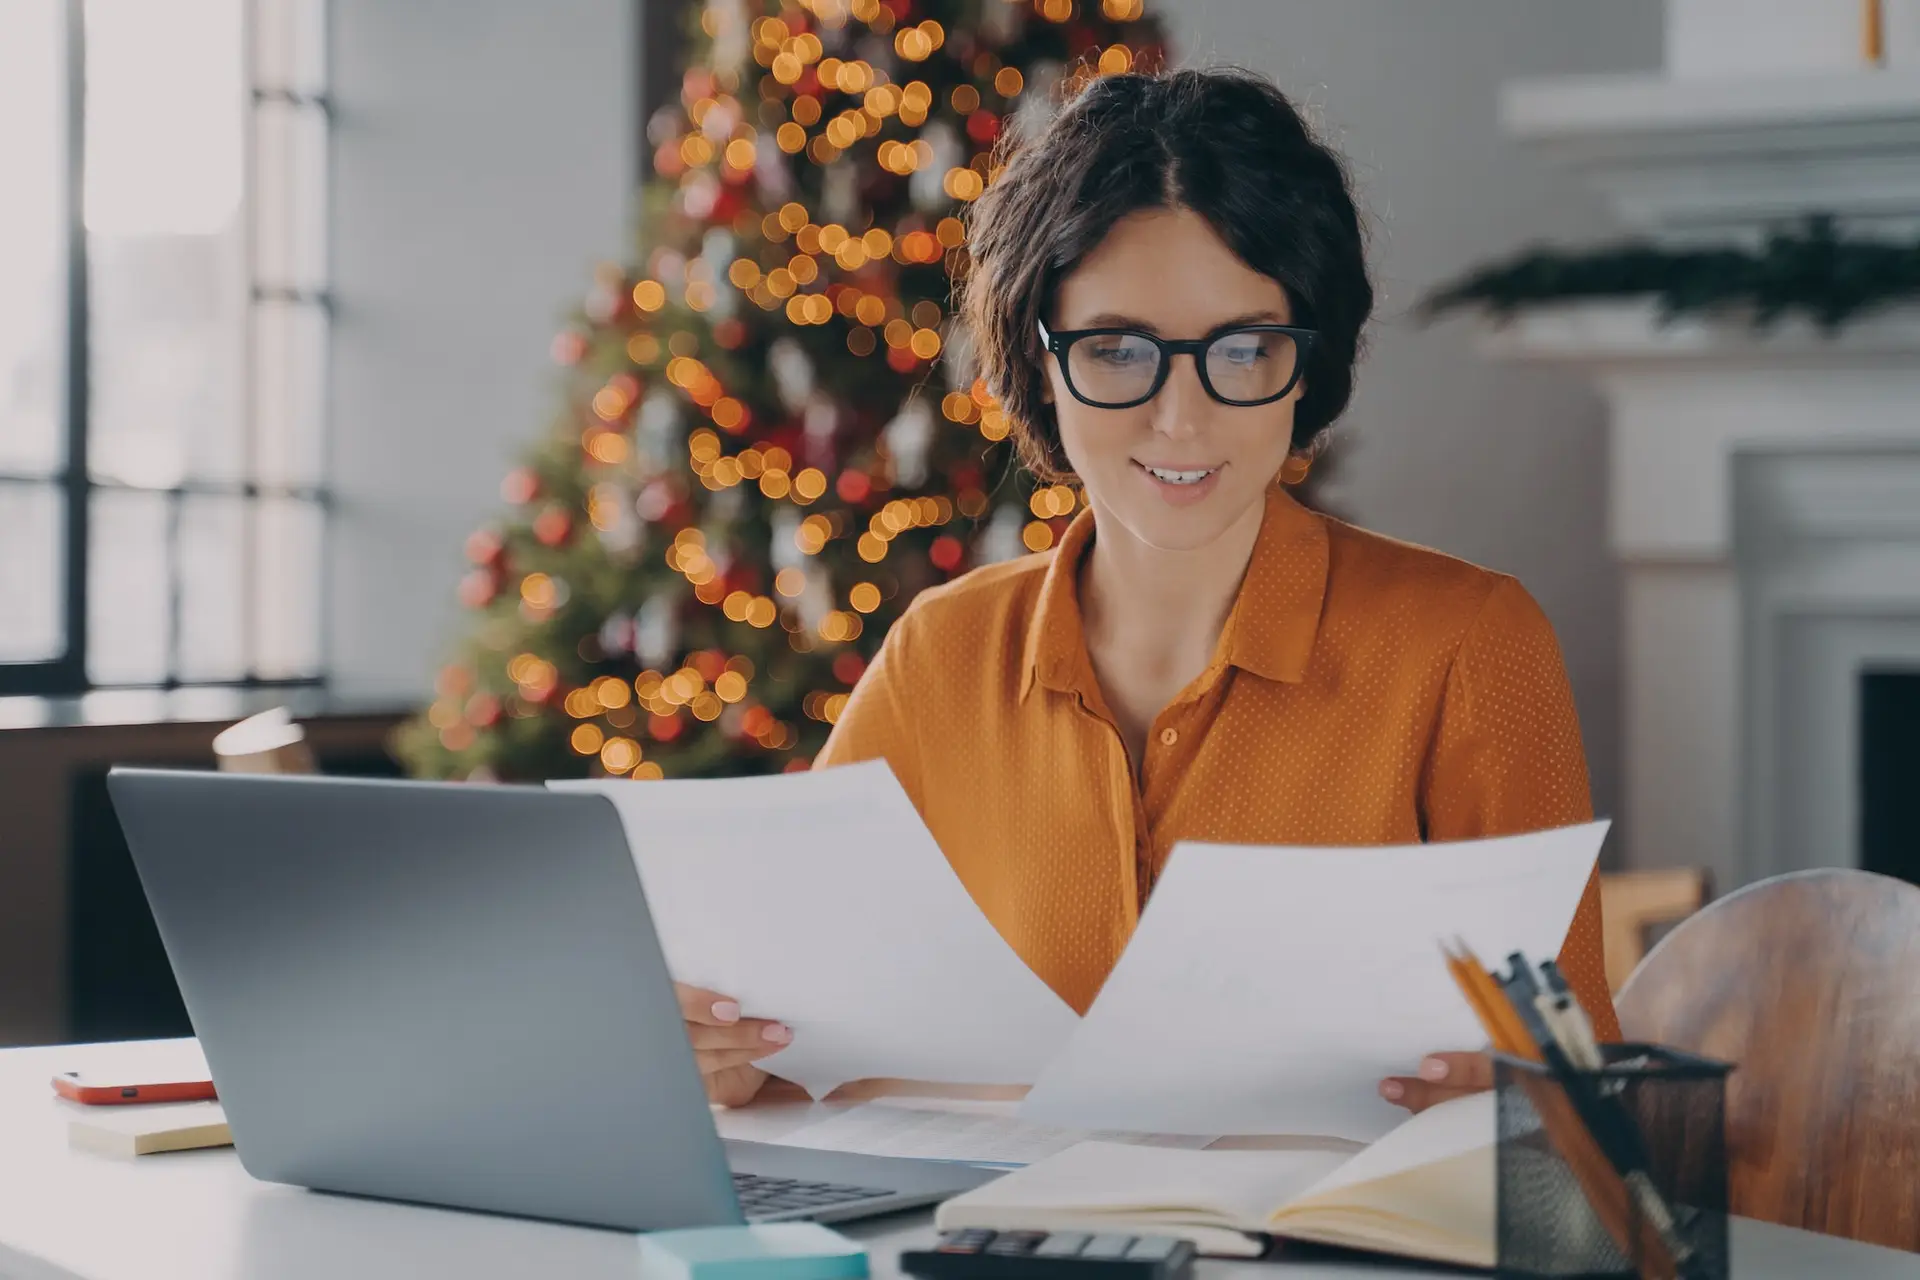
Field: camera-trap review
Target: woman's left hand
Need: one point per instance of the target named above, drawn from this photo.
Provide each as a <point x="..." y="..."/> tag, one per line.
<point x="1443" y="1076"/>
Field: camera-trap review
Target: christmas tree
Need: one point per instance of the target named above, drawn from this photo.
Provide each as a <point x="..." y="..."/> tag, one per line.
<point x="768" y="438"/>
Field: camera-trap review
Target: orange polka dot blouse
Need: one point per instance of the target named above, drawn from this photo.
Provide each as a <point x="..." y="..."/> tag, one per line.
<point x="1363" y="691"/>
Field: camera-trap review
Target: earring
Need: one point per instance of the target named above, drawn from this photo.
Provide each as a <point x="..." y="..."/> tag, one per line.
<point x="1295" y="468"/>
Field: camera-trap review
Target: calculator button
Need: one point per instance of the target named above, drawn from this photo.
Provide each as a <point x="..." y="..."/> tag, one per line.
<point x="1153" y="1248"/>
<point x="1016" y="1242"/>
<point x="1062" y="1244"/>
<point x="1107" y="1247"/>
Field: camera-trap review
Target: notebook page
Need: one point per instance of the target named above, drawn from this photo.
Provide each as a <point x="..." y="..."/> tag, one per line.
<point x="820" y="899"/>
<point x="1453" y="1128"/>
<point x="1268" y="990"/>
<point x="1133" y="1183"/>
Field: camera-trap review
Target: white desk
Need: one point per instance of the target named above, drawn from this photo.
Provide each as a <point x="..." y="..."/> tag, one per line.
<point x="72" y="1214"/>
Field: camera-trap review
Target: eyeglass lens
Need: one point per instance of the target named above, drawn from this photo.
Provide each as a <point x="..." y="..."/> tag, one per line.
<point x="1242" y="364"/>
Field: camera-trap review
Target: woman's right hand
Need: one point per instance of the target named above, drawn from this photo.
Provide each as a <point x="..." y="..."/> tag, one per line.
<point x="726" y="1045"/>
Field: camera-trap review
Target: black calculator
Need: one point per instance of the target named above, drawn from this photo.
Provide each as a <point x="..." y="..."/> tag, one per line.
<point x="1050" y="1255"/>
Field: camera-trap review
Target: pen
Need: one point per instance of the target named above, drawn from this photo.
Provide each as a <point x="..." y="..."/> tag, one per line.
<point x="1564" y="1023"/>
<point x="1599" y="1179"/>
<point x="1577" y="1032"/>
<point x="1526" y="996"/>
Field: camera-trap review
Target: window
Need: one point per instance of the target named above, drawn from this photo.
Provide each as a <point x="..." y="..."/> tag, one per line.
<point x="163" y="328"/>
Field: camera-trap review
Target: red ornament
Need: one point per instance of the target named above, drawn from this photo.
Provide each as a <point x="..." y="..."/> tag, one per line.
<point x="901" y="359"/>
<point x="568" y="347"/>
<point x="730" y="201"/>
<point x="709" y="663"/>
<point x="520" y="487"/>
<point x="983" y="126"/>
<point x="730" y="333"/>
<point x="854" y="486"/>
<point x="664" y="728"/>
<point x="484" y="547"/>
<point x="483" y="710"/>
<point x="946" y="553"/>
<point x="478" y="588"/>
<point x="786" y="436"/>
<point x="553" y="526"/>
<point x="847" y="668"/>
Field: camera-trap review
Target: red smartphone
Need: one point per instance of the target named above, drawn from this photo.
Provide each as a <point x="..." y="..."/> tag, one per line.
<point x="109" y="1089"/>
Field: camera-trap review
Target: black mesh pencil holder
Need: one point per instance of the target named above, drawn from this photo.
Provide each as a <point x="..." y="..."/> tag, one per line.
<point x="1563" y="1207"/>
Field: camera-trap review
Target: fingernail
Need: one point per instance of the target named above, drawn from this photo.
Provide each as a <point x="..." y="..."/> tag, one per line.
<point x="776" y="1034"/>
<point x="1391" y="1090"/>
<point x="1433" y="1069"/>
<point x="727" y="1010"/>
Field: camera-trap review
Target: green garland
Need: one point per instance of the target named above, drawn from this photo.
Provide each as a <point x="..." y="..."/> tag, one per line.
<point x="1810" y="270"/>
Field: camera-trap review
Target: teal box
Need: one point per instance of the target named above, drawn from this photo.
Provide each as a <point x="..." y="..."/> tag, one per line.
<point x="769" y="1251"/>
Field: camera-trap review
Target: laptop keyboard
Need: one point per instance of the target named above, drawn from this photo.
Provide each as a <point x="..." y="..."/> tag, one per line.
<point x="764" y="1197"/>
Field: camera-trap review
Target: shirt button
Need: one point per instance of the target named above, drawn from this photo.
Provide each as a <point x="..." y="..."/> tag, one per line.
<point x="1169" y="736"/>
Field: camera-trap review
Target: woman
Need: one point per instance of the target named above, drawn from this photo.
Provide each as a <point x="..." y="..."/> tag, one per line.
<point x="1167" y="292"/>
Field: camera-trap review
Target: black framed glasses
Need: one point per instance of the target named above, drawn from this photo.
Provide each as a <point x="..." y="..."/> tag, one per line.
<point x="1240" y="366"/>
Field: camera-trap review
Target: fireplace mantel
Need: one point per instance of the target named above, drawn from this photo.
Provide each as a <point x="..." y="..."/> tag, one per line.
<point x="1687" y="395"/>
<point x="1721" y="156"/>
<point x="1763" y="486"/>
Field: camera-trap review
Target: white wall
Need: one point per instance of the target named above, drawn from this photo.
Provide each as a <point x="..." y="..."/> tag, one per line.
<point x="1504" y="466"/>
<point x="482" y="158"/>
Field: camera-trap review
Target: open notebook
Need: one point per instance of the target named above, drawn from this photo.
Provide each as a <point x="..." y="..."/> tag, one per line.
<point x="1423" y="1191"/>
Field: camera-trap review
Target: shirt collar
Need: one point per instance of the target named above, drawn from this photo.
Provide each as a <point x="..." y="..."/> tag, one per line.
<point x="1270" y="630"/>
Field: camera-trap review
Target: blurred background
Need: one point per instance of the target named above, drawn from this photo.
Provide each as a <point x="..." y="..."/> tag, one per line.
<point x="445" y="375"/>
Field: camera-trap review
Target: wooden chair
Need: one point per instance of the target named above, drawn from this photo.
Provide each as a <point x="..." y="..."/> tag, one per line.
<point x="1632" y="903"/>
<point x="1810" y="984"/>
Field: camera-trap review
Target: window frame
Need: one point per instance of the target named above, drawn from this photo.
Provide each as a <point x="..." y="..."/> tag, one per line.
<point x="67" y="674"/>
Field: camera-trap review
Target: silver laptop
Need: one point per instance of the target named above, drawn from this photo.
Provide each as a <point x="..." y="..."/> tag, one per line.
<point x="452" y="994"/>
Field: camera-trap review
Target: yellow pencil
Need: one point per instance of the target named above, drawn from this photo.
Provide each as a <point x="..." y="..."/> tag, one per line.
<point x="1605" y="1190"/>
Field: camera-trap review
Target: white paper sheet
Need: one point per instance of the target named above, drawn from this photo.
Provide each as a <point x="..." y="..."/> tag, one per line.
<point x="820" y="899"/>
<point x="982" y="1133"/>
<point x="1268" y="990"/>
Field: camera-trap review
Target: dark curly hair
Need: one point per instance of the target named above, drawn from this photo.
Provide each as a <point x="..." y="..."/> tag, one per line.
<point x="1224" y="143"/>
